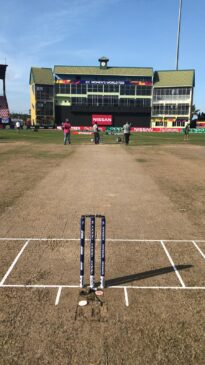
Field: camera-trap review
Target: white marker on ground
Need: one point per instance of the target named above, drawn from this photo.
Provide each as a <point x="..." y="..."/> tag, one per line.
<point x="58" y="295"/>
<point x="40" y="286"/>
<point x="172" y="263"/>
<point x="14" y="263"/>
<point x="126" y="297"/>
<point x="198" y="248"/>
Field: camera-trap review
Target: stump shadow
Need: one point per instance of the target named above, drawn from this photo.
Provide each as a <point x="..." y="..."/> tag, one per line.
<point x="144" y="275"/>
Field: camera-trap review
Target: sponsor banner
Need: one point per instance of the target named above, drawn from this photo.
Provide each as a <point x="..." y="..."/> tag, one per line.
<point x="163" y="130"/>
<point x="82" y="128"/>
<point x="200" y="124"/>
<point x="86" y="129"/>
<point x="119" y="130"/>
<point x="103" y="82"/>
<point x="136" y="129"/>
<point x="90" y="82"/>
<point x="197" y="130"/>
<point x="155" y="129"/>
<point x="63" y="81"/>
<point x="114" y="130"/>
<point x="116" y="82"/>
<point x="79" y="132"/>
<point x="76" y="129"/>
<point x="102" y="119"/>
<point x="5" y="120"/>
<point x="140" y="83"/>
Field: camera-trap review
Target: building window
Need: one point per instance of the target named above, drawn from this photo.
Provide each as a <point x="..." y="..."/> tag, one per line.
<point x="135" y="102"/>
<point x="178" y="123"/>
<point x="95" y="88"/>
<point x="45" y="108"/>
<point x="183" y="109"/>
<point x="73" y="89"/>
<point x="62" y="89"/>
<point x="109" y="88"/>
<point x="44" y="92"/>
<point x="79" y="101"/>
<point x="171" y="109"/>
<point x="127" y="90"/>
<point x="99" y="100"/>
<point x="171" y="94"/>
<point x="158" y="109"/>
<point x="143" y="90"/>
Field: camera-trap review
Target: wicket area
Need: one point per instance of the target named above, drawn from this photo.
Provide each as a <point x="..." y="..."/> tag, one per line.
<point x="92" y="249"/>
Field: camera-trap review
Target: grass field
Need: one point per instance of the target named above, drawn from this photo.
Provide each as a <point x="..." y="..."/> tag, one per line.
<point x="56" y="136"/>
<point x="152" y="194"/>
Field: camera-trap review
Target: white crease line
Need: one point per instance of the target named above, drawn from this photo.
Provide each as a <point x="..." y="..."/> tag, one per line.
<point x="39" y="286"/>
<point x="20" y="239"/>
<point x="173" y="265"/>
<point x="159" y="287"/>
<point x="58" y="295"/>
<point x="36" y="286"/>
<point x="87" y="239"/>
<point x="14" y="263"/>
<point x="198" y="248"/>
<point x="126" y="297"/>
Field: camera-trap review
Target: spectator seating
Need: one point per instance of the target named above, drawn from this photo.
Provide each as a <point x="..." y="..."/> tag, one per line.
<point x="4" y="110"/>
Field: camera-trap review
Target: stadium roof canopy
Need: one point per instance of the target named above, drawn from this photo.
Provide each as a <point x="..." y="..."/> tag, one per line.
<point x="41" y="76"/>
<point x="179" y="78"/>
<point x="110" y="71"/>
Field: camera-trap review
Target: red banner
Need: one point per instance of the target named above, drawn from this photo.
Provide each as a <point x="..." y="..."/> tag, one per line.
<point x="165" y="130"/>
<point x="102" y="119"/>
<point x="158" y="130"/>
<point x="77" y="129"/>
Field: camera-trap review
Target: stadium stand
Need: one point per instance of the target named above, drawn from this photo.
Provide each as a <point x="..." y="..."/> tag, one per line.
<point x="4" y="110"/>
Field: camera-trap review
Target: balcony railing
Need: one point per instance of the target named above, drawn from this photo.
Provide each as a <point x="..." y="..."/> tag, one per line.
<point x="110" y="109"/>
<point x="173" y="98"/>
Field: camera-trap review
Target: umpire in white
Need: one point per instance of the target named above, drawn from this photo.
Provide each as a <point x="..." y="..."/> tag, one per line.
<point x="126" y="131"/>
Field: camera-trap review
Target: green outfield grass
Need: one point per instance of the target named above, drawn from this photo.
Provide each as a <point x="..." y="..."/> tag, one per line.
<point x="136" y="139"/>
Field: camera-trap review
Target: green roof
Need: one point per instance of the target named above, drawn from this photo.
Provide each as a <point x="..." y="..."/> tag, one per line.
<point x="41" y="76"/>
<point x="110" y="71"/>
<point x="174" y="78"/>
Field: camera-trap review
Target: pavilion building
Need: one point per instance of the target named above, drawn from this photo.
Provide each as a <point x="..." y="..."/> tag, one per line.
<point x="111" y="96"/>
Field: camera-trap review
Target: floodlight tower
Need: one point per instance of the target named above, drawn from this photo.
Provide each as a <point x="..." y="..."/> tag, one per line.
<point x="178" y="33"/>
<point x="4" y="109"/>
<point x="3" y="77"/>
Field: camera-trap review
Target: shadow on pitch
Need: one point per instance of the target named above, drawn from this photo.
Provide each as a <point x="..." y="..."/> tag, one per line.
<point x="144" y="275"/>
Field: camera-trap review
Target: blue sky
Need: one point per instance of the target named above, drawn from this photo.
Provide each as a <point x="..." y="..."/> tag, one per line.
<point x="138" y="33"/>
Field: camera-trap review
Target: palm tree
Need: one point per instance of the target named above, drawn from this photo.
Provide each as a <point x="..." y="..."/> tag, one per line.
<point x="195" y="111"/>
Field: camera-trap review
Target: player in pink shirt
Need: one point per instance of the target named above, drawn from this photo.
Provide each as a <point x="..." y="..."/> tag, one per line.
<point x="66" y="130"/>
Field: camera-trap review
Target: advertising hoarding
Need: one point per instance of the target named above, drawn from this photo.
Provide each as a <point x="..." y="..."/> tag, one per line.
<point x="102" y="119"/>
